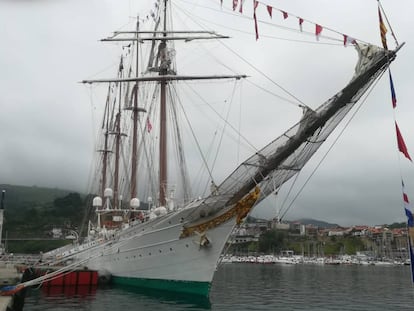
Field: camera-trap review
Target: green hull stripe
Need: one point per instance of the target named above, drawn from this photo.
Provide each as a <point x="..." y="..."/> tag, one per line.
<point x="187" y="287"/>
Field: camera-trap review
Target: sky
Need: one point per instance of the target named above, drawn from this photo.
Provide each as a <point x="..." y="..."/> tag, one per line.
<point x="48" y="119"/>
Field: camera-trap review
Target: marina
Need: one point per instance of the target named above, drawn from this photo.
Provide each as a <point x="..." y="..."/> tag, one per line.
<point x="299" y="259"/>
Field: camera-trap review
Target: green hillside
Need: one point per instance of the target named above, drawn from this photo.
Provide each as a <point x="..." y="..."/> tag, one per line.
<point x="18" y="197"/>
<point x="32" y="212"/>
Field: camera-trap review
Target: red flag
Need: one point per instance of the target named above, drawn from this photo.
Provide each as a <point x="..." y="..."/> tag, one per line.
<point x="383" y="30"/>
<point x="235" y="3"/>
<point x="318" y="30"/>
<point x="300" y="23"/>
<point x="269" y="9"/>
<point x="393" y="97"/>
<point x="149" y="125"/>
<point x="255" y="4"/>
<point x="285" y="15"/>
<point x="405" y="196"/>
<point x="348" y="40"/>
<point x="401" y="144"/>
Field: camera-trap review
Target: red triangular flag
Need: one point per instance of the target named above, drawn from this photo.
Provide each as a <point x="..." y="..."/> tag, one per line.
<point x="235" y="3"/>
<point x="255" y="4"/>
<point x="269" y="9"/>
<point x="401" y="144"/>
<point x="149" y="125"/>
<point x="300" y="23"/>
<point x="318" y="30"/>
<point x="348" y="40"/>
<point x="285" y="15"/>
<point x="405" y="196"/>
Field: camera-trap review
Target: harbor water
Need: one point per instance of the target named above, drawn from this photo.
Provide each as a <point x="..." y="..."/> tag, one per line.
<point x="253" y="287"/>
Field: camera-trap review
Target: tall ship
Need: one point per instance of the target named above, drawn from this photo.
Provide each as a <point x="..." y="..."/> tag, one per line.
<point x="159" y="219"/>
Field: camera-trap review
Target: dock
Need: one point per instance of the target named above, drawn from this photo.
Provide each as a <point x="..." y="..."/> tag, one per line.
<point x="6" y="303"/>
<point x="52" y="278"/>
<point x="8" y="276"/>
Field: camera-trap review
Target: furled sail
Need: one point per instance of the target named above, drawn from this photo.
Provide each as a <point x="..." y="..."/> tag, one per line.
<point x="277" y="162"/>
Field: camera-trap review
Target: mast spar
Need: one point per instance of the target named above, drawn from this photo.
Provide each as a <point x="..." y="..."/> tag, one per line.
<point x="118" y="141"/>
<point x="136" y="110"/>
<point x="166" y="74"/>
<point x="164" y="68"/>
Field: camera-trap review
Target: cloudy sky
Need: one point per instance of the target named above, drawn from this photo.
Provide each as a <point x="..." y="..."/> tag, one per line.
<point x="48" y="119"/>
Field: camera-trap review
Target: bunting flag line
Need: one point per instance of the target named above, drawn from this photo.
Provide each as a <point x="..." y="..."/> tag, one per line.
<point x="407" y="204"/>
<point x="149" y="125"/>
<point x="235" y="3"/>
<point x="393" y="97"/>
<point x="410" y="228"/>
<point x="255" y="4"/>
<point x="269" y="10"/>
<point x="318" y="30"/>
<point x="301" y="24"/>
<point x="348" y="40"/>
<point x="401" y="144"/>
<point x="383" y="30"/>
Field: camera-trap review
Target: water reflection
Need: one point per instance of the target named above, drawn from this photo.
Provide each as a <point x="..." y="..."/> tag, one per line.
<point x="110" y="297"/>
<point x="181" y="300"/>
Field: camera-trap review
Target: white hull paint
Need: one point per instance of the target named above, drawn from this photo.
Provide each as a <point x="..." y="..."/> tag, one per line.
<point x="154" y="250"/>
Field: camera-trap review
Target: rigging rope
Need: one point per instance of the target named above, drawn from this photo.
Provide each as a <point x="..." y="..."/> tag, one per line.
<point x="334" y="142"/>
<point x="221" y="117"/>
<point x="196" y="141"/>
<point x="302" y="104"/>
<point x="179" y="146"/>
<point x="224" y="127"/>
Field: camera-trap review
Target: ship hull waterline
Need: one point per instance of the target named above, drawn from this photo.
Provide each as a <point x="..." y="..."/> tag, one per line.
<point x="154" y="256"/>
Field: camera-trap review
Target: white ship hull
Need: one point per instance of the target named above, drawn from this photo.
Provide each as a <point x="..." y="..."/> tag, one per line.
<point x="152" y="254"/>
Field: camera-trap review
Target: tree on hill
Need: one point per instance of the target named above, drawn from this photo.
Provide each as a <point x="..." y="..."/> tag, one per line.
<point x="70" y="205"/>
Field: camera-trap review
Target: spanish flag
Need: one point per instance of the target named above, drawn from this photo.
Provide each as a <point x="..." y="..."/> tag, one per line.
<point x="383" y="30"/>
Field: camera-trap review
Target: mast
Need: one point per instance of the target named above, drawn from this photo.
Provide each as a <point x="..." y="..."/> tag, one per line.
<point x="166" y="74"/>
<point x="135" y="127"/>
<point x="105" y="150"/>
<point x="118" y="140"/>
<point x="163" y="114"/>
